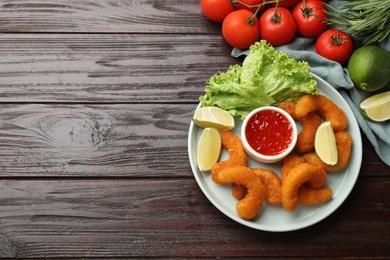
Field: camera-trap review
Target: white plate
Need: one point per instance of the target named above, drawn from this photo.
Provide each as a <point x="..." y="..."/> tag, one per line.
<point x="275" y="218"/>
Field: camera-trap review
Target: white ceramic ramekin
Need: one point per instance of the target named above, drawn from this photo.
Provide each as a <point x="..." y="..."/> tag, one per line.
<point x="269" y="158"/>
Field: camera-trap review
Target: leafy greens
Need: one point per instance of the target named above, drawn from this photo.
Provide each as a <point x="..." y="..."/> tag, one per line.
<point x="266" y="77"/>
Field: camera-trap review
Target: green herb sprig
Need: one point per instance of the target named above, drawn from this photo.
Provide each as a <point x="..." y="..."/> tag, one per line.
<point x="366" y="19"/>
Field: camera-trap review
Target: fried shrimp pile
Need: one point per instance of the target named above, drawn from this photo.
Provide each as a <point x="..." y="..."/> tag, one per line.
<point x="324" y="106"/>
<point x="248" y="207"/>
<point x="272" y="184"/>
<point x="314" y="176"/>
<point x="234" y="170"/>
<point x="305" y="111"/>
<point x="303" y="174"/>
<point x="311" y="192"/>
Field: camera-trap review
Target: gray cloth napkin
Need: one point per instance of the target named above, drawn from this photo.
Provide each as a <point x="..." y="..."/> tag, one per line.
<point x="336" y="75"/>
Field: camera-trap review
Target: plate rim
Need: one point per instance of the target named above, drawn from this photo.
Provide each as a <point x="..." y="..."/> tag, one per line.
<point x="285" y="228"/>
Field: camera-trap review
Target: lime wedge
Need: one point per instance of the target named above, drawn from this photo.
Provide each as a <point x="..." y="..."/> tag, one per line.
<point x="325" y="144"/>
<point x="209" y="148"/>
<point x="377" y="107"/>
<point x="213" y="117"/>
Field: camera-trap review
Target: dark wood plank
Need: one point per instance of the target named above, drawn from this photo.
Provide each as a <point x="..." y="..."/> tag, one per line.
<point x="104" y="68"/>
<point x="137" y="140"/>
<point x="371" y="161"/>
<point x="172" y="218"/>
<point x="154" y="16"/>
<point x="81" y="140"/>
<point x="96" y="99"/>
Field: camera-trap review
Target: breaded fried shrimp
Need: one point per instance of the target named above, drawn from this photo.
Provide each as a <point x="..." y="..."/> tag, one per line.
<point x="309" y="122"/>
<point x="326" y="107"/>
<point x="307" y="195"/>
<point x="250" y="205"/>
<point x="236" y="151"/>
<point x="289" y="162"/>
<point x="273" y="185"/>
<point x="305" y="141"/>
<point x="300" y="174"/>
<point x="289" y="107"/>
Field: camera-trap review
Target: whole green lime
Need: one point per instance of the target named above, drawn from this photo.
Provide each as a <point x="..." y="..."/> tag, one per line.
<point x="369" y="68"/>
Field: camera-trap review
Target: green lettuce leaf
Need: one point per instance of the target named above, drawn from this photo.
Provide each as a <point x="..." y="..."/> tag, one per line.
<point x="266" y="77"/>
<point x="226" y="91"/>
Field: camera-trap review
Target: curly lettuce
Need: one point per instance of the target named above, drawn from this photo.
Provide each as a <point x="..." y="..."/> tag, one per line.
<point x="266" y="77"/>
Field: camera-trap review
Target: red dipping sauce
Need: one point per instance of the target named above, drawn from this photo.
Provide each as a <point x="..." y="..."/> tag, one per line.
<point x="269" y="132"/>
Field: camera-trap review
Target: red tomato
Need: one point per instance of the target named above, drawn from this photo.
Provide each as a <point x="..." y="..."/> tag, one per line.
<point x="335" y="45"/>
<point x="277" y="26"/>
<point x="216" y="10"/>
<point x="241" y="29"/>
<point x="310" y="17"/>
<point x="286" y="3"/>
<point x="250" y="3"/>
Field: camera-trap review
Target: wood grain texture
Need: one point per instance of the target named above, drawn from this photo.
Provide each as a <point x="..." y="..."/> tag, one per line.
<point x="111" y="68"/>
<point x="96" y="140"/>
<point x="120" y="16"/>
<point x="172" y="218"/>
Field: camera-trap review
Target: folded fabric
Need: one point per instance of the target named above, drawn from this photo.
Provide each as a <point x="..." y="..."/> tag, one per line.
<point x="337" y="76"/>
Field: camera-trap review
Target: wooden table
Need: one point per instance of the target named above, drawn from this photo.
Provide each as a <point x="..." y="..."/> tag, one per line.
<point x="96" y="99"/>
